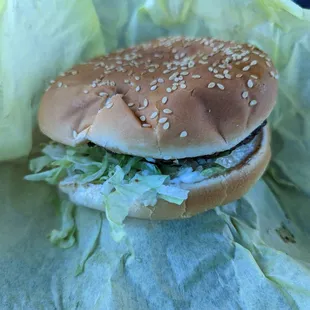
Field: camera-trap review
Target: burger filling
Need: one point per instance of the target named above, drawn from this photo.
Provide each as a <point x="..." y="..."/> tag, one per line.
<point x="129" y="178"/>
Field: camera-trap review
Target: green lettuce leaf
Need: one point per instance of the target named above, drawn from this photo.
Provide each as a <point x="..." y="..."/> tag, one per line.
<point x="126" y="180"/>
<point x="65" y="238"/>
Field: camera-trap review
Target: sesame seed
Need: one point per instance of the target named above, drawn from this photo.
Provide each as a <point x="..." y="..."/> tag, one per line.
<point x="146" y="125"/>
<point x="253" y="63"/>
<point x="126" y="81"/>
<point x="74" y="72"/>
<point x="261" y="55"/>
<point x="142" y="118"/>
<point x="166" y="126"/>
<point x="162" y="120"/>
<point x="225" y="71"/>
<point x="183" y="134"/>
<point x="210" y="69"/>
<point x="254" y="76"/>
<point x="173" y="76"/>
<point x="137" y="78"/>
<point x="245" y="94"/>
<point x="164" y="100"/>
<point x="153" y="83"/>
<point x="109" y="105"/>
<point x="153" y="115"/>
<point x="151" y="70"/>
<point x="138" y="88"/>
<point x="184" y="73"/>
<point x="94" y="85"/>
<point x="220" y="86"/>
<point x="238" y="63"/>
<point x="160" y="80"/>
<point x="177" y="57"/>
<point x="183" y="86"/>
<point x="168" y="90"/>
<point x="130" y="104"/>
<point x="182" y="55"/>
<point x="239" y="75"/>
<point x="245" y="59"/>
<point x="246" y="68"/>
<point x="228" y="76"/>
<point x="166" y="71"/>
<point x="203" y="62"/>
<point x="191" y="64"/>
<point x="59" y="84"/>
<point x="167" y="111"/>
<point x="153" y="87"/>
<point x="219" y="76"/>
<point x="174" y="87"/>
<point x="52" y="81"/>
<point x="174" y="50"/>
<point x="253" y="102"/>
<point x="268" y="64"/>
<point x="215" y="71"/>
<point x="196" y="76"/>
<point x="250" y="83"/>
<point x="145" y="103"/>
<point x="211" y="85"/>
<point x="102" y="94"/>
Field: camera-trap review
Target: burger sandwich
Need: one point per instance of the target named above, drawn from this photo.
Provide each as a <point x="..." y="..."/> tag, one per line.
<point x="163" y="130"/>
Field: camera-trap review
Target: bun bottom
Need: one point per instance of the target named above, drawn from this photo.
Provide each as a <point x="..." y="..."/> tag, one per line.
<point x="203" y="195"/>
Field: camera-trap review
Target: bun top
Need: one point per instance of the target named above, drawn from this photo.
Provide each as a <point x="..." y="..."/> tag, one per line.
<point x="169" y="98"/>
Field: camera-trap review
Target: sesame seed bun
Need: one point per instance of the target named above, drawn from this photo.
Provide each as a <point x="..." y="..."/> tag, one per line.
<point x="203" y="195"/>
<point x="169" y="98"/>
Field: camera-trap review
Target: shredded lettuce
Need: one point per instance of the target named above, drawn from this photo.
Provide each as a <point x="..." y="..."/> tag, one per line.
<point x="126" y="181"/>
<point x="64" y="238"/>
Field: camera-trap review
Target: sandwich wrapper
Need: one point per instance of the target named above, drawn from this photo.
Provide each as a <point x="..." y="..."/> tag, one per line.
<point x="251" y="254"/>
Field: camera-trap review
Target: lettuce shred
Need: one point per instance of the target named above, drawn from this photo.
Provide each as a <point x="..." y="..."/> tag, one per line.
<point x="127" y="179"/>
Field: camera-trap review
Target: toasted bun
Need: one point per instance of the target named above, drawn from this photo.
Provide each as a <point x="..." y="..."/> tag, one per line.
<point x="203" y="196"/>
<point x="170" y="98"/>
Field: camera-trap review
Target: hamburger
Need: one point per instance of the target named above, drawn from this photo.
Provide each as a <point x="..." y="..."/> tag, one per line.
<point x="164" y="130"/>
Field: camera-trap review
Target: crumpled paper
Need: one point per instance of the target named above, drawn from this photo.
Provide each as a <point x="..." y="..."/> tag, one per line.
<point x="251" y="254"/>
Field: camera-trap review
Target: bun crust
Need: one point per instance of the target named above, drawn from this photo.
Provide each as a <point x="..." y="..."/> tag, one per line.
<point x="203" y="196"/>
<point x="169" y="98"/>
